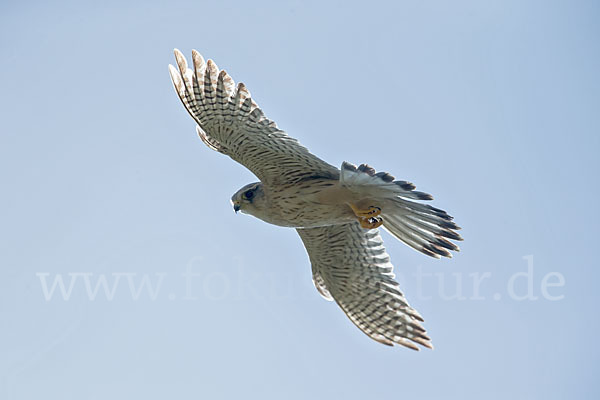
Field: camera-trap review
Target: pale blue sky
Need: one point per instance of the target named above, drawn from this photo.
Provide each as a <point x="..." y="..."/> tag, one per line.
<point x="491" y="106"/>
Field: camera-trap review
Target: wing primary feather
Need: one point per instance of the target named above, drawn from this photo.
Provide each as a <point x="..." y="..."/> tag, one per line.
<point x="231" y="122"/>
<point x="350" y="266"/>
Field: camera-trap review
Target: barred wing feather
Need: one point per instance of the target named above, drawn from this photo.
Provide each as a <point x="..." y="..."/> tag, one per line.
<point x="351" y="265"/>
<point x="230" y="122"/>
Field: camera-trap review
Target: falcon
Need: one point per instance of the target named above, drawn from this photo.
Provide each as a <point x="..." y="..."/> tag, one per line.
<point x="336" y="212"/>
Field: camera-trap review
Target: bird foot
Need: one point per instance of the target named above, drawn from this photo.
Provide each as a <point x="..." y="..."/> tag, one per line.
<point x="372" y="211"/>
<point x="370" y="223"/>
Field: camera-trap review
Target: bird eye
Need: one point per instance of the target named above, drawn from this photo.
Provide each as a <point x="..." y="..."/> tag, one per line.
<point x="249" y="194"/>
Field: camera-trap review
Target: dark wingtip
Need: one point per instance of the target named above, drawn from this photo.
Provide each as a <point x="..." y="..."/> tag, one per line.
<point x="418" y="317"/>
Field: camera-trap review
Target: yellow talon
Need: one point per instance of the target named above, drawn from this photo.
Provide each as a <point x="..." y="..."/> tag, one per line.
<point x="371" y="223"/>
<point x="372" y="211"/>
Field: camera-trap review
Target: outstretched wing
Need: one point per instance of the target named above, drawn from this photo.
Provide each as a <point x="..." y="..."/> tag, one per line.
<point x="350" y="265"/>
<point x="230" y="122"/>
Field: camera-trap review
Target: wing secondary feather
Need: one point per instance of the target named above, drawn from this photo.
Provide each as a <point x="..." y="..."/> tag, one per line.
<point x="351" y="265"/>
<point x="230" y="122"/>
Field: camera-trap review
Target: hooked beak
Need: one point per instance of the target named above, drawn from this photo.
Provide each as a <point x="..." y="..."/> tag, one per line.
<point x="236" y="207"/>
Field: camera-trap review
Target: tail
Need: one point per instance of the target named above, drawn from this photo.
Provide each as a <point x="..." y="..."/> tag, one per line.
<point x="421" y="226"/>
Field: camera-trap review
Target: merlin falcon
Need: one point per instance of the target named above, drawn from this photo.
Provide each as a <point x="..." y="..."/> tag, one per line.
<point x="336" y="212"/>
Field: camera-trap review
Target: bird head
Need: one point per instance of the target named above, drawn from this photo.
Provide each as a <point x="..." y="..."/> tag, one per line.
<point x="249" y="199"/>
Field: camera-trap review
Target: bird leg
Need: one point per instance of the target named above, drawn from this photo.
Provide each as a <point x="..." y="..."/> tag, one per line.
<point x="371" y="211"/>
<point x="367" y="215"/>
<point x="371" y="222"/>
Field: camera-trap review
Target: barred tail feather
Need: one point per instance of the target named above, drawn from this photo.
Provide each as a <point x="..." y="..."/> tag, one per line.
<point x="421" y="226"/>
<point x="378" y="184"/>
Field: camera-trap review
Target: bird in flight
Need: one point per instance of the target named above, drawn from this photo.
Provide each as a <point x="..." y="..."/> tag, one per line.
<point x="336" y="212"/>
